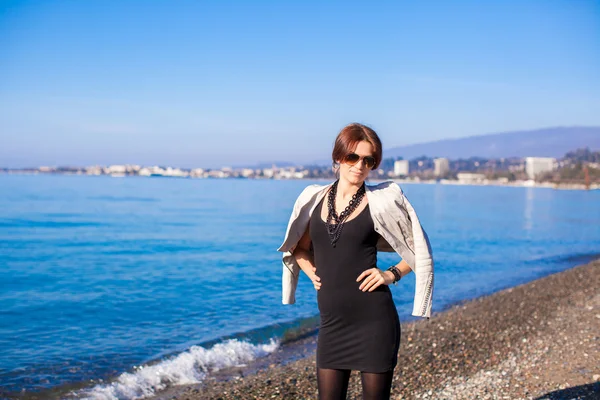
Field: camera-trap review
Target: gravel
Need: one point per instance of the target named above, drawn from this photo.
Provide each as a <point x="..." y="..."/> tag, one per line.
<point x="539" y="340"/>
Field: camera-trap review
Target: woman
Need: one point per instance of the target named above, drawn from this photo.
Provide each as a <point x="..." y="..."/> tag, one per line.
<point x="333" y="236"/>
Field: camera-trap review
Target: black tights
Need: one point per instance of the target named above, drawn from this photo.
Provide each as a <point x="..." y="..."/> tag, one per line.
<point x="333" y="384"/>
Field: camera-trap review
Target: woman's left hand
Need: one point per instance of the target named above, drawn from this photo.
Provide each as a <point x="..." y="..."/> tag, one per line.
<point x="374" y="277"/>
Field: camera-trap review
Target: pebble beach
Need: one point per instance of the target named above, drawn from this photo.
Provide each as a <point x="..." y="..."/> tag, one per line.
<point x="539" y="340"/>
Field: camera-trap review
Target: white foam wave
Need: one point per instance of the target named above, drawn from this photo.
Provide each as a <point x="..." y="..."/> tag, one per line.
<point x="191" y="366"/>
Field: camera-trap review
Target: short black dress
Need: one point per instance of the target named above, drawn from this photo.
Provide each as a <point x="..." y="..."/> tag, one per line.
<point x="358" y="330"/>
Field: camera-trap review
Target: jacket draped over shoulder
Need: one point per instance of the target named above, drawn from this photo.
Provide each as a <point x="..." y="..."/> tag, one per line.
<point x="394" y="219"/>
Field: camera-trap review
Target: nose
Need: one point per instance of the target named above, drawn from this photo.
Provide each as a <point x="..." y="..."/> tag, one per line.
<point x="360" y="166"/>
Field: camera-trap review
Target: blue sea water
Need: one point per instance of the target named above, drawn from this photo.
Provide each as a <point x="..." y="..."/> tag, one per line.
<point x="118" y="287"/>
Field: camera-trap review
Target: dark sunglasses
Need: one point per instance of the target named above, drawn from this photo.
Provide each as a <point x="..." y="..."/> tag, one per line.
<point x="353" y="158"/>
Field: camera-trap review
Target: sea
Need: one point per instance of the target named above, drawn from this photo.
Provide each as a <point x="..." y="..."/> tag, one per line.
<point x="120" y="287"/>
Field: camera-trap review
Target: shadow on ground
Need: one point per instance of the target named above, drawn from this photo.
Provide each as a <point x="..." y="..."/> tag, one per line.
<point x="581" y="392"/>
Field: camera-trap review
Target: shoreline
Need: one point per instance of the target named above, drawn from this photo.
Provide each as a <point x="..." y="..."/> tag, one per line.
<point x="536" y="339"/>
<point x="517" y="184"/>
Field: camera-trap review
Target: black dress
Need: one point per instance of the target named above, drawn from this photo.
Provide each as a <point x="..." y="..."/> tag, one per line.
<point x="358" y="330"/>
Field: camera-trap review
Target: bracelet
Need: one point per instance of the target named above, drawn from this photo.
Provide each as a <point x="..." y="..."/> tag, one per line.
<point x="398" y="271"/>
<point x="392" y="269"/>
<point x="397" y="274"/>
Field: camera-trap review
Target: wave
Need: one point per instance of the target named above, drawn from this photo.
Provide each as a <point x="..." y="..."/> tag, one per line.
<point x="124" y="199"/>
<point x="191" y="366"/>
<point x="570" y="259"/>
<point x="30" y="223"/>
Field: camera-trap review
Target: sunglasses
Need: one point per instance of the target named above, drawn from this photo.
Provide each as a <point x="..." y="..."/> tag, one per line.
<point x="353" y="158"/>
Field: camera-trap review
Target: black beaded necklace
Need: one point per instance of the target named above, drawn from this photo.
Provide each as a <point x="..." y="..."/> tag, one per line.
<point x="335" y="222"/>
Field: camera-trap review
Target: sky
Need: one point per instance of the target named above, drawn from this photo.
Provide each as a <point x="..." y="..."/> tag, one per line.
<point x="231" y="83"/>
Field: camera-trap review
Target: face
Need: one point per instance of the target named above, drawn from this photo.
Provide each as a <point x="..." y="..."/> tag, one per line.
<point x="357" y="173"/>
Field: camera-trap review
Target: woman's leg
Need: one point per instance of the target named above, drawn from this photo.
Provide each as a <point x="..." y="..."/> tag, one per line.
<point x="332" y="383"/>
<point x="376" y="386"/>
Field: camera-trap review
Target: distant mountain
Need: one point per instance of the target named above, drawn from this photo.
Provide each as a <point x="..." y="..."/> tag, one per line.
<point x="549" y="142"/>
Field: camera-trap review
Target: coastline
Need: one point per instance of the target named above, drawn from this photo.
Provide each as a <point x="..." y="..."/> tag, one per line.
<point x="518" y="184"/>
<point x="538" y="340"/>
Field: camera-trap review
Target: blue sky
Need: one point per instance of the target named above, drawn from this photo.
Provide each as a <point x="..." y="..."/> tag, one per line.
<point x="211" y="84"/>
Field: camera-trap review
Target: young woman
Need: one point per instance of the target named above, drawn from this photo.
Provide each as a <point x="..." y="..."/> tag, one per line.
<point x="333" y="236"/>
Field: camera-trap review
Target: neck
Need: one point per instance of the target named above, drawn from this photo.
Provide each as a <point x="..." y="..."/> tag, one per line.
<point x="346" y="189"/>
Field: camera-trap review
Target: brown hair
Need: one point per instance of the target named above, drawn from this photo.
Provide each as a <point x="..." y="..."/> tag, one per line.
<point x="349" y="137"/>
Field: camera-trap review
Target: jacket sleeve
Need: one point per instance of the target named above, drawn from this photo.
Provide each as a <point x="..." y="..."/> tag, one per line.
<point x="290" y="267"/>
<point x="417" y="238"/>
<point x="289" y="278"/>
<point x="289" y="232"/>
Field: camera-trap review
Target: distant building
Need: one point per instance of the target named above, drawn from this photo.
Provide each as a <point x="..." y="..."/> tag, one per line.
<point x="145" y="172"/>
<point x="217" y="173"/>
<point x="155" y="171"/>
<point x="469" y="178"/>
<point x="117" y="169"/>
<point x="247" y="172"/>
<point x="268" y="172"/>
<point x="290" y="173"/>
<point x="516" y="168"/>
<point x="441" y="166"/>
<point x="93" y="170"/>
<point x="197" y="173"/>
<point x="175" y="172"/>
<point x="401" y="168"/>
<point x="536" y="165"/>
<point x="123" y="169"/>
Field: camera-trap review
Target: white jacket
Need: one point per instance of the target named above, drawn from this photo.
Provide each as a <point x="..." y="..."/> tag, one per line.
<point x="394" y="219"/>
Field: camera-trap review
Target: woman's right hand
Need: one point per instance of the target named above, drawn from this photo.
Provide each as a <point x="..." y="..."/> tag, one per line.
<point x="315" y="279"/>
